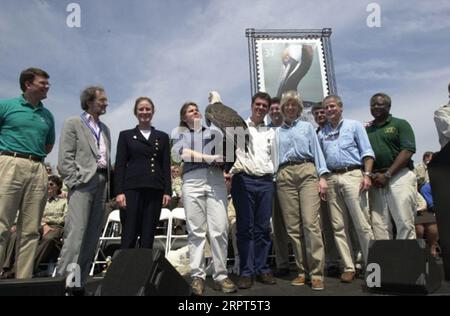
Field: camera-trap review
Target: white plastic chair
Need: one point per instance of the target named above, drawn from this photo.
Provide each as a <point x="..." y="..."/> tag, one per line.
<point x="164" y="239"/>
<point x="109" y="234"/>
<point x="177" y="213"/>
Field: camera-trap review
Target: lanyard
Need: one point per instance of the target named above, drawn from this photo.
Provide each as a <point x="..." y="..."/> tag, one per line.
<point x="96" y="135"/>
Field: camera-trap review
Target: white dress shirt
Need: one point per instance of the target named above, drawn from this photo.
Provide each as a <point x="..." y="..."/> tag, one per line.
<point x="102" y="160"/>
<point x="260" y="158"/>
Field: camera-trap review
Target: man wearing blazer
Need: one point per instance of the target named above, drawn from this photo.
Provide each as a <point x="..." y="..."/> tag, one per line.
<point x="84" y="163"/>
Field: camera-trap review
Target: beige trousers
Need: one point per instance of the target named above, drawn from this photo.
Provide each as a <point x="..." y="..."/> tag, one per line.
<point x="398" y="202"/>
<point x="23" y="188"/>
<point x="298" y="193"/>
<point x="344" y="200"/>
<point x="280" y="237"/>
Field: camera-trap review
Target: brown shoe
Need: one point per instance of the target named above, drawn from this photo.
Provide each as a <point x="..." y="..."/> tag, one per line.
<point x="226" y="286"/>
<point x="245" y="282"/>
<point x="198" y="286"/>
<point x="347" y="277"/>
<point x="317" y="285"/>
<point x="266" y="278"/>
<point x="298" y="281"/>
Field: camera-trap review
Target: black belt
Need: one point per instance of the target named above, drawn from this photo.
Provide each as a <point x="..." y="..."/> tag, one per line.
<point x="346" y="169"/>
<point x="102" y="171"/>
<point x="295" y="163"/>
<point x="19" y="155"/>
<point x="381" y="170"/>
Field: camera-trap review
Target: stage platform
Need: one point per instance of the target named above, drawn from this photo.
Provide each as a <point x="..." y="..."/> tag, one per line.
<point x="333" y="287"/>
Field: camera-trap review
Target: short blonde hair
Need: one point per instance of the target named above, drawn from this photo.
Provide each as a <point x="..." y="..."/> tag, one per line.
<point x="291" y="97"/>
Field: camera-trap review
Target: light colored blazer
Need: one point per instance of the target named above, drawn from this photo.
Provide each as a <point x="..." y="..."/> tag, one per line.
<point x="77" y="159"/>
<point x="442" y="121"/>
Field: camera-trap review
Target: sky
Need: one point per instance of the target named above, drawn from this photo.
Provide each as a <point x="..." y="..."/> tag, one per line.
<point x="179" y="50"/>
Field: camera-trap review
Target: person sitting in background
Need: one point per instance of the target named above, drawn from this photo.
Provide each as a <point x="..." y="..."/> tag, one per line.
<point x="51" y="232"/>
<point x="426" y="226"/>
<point x="425" y="220"/>
<point x="177" y="184"/>
<point x="177" y="200"/>
<point x="421" y="170"/>
<point x="48" y="168"/>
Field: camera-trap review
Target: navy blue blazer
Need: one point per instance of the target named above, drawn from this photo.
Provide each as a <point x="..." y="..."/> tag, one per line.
<point x="142" y="163"/>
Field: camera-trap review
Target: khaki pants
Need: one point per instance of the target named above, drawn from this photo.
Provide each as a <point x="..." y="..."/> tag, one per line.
<point x="280" y="237"/>
<point x="298" y="194"/>
<point x="23" y="187"/>
<point x="344" y="199"/>
<point x="331" y="252"/>
<point x="397" y="201"/>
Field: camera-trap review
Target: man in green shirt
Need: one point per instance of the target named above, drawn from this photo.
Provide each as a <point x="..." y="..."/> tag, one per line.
<point x="394" y="193"/>
<point x="27" y="135"/>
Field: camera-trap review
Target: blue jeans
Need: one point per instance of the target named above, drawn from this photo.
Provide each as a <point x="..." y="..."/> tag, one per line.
<point x="252" y="198"/>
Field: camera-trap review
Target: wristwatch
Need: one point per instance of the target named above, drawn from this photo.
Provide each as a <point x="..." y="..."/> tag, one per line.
<point x="387" y="175"/>
<point x="369" y="174"/>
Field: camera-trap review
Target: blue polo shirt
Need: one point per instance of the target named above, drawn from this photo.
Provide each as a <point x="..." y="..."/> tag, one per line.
<point x="24" y="128"/>
<point x="346" y="145"/>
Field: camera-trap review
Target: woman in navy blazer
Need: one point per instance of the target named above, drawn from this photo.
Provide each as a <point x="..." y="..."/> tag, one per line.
<point x="142" y="177"/>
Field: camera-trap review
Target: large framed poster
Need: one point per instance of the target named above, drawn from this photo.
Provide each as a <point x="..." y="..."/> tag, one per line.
<point x="300" y="60"/>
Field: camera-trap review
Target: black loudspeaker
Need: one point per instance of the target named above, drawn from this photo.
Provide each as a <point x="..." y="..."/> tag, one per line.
<point x="439" y="172"/>
<point x="142" y="272"/>
<point x="405" y="266"/>
<point x="33" y="287"/>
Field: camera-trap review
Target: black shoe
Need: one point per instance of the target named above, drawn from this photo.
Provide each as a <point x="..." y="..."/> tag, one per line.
<point x="8" y="275"/>
<point x="75" y="291"/>
<point x="281" y="272"/>
<point x="333" y="271"/>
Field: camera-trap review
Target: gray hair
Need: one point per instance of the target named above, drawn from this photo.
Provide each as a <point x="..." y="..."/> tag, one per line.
<point x="335" y="98"/>
<point x="89" y="94"/>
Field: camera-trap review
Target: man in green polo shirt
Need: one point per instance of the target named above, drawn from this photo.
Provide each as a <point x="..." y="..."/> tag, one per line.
<point x="393" y="195"/>
<point x="27" y="135"/>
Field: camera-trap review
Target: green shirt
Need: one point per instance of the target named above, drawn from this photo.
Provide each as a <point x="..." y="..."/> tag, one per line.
<point x="25" y="129"/>
<point x="389" y="140"/>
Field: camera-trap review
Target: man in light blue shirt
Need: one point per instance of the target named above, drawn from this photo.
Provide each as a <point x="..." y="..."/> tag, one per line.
<point x="350" y="158"/>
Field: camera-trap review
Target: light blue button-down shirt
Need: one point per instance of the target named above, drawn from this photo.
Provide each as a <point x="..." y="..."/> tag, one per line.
<point x="300" y="142"/>
<point x="346" y="145"/>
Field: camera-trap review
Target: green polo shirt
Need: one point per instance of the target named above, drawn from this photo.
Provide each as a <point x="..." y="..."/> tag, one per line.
<point x="25" y="129"/>
<point x="389" y="140"/>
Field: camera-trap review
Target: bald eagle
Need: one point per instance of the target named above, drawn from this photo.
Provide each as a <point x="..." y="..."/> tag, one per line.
<point x="227" y="120"/>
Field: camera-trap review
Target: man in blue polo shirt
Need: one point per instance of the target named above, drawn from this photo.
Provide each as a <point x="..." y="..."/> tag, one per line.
<point x="27" y="135"/>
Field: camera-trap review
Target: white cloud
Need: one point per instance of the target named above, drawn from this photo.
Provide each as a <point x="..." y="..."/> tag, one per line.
<point x="175" y="56"/>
